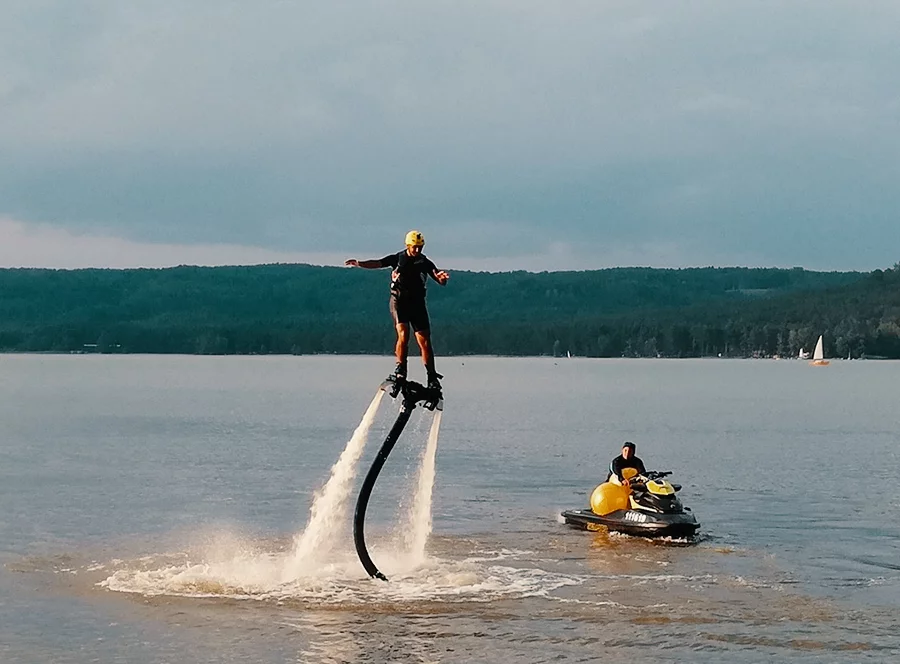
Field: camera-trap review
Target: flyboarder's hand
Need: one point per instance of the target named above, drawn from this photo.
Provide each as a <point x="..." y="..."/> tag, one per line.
<point x="441" y="277"/>
<point x="352" y="262"/>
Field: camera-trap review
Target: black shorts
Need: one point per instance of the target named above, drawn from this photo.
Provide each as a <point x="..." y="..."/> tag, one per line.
<point x="412" y="312"/>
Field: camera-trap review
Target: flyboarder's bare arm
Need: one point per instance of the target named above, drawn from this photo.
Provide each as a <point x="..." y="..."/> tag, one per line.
<point x="440" y="276"/>
<point x="369" y="265"/>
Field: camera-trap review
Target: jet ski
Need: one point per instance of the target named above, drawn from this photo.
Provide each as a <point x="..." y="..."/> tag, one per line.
<point x="648" y="507"/>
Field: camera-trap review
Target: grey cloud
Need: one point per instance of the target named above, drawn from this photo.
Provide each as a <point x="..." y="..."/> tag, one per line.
<point x="723" y="129"/>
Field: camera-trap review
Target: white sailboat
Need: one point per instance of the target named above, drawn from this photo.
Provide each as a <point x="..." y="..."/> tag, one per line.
<point x="819" y="354"/>
<point x="803" y="355"/>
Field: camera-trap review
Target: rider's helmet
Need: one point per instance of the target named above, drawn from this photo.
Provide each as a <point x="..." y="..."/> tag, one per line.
<point x="415" y="239"/>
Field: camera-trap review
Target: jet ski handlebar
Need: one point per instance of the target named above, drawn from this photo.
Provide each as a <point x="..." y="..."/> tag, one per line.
<point x="655" y="474"/>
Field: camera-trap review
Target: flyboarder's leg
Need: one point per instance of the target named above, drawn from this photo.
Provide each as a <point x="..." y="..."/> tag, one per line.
<point x="423" y="337"/>
<point x="401" y="324"/>
<point x="401" y="350"/>
<point x="422" y="326"/>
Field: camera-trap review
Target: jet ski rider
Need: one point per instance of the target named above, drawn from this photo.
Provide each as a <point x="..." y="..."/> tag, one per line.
<point x="625" y="460"/>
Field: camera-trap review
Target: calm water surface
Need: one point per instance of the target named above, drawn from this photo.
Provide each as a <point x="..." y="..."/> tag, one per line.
<point x="147" y="505"/>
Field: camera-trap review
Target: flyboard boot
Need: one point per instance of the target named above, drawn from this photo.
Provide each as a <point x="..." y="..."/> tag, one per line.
<point x="394" y="382"/>
<point x="434" y="381"/>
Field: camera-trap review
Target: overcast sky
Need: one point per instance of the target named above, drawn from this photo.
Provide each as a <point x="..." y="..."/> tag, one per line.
<point x="514" y="135"/>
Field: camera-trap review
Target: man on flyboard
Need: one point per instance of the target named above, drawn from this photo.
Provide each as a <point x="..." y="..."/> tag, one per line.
<point x="411" y="269"/>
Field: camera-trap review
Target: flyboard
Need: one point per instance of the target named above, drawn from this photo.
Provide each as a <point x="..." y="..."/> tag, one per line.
<point x="412" y="394"/>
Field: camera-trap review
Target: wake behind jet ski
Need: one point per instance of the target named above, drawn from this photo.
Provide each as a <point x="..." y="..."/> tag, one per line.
<point x="647" y="506"/>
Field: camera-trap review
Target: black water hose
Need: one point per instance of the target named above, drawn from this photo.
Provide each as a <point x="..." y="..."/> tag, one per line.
<point x="359" y="517"/>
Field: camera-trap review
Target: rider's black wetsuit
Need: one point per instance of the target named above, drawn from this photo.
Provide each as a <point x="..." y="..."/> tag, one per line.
<point x="408" y="288"/>
<point x="620" y="463"/>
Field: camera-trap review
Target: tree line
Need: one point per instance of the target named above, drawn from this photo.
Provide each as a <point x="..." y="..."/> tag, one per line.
<point x="302" y="309"/>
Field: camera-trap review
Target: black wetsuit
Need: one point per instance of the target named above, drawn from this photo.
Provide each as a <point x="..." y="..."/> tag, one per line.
<point x="408" y="288"/>
<point x="620" y="463"/>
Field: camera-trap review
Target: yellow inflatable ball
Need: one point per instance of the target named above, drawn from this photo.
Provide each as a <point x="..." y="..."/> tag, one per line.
<point x="609" y="497"/>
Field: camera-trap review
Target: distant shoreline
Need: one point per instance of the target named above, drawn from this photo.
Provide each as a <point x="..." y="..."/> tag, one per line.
<point x="446" y="357"/>
<point x="303" y="310"/>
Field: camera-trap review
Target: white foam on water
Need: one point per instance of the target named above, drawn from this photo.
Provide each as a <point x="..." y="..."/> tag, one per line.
<point x="502" y="554"/>
<point x="241" y="577"/>
<point x="329" y="508"/>
<point x="584" y="602"/>
<point x="660" y="578"/>
<point x="341" y="581"/>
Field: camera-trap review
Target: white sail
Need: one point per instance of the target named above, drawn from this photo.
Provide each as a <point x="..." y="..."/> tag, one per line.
<point x="819" y="354"/>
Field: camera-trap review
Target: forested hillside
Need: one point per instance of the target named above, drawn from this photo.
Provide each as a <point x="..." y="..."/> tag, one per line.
<point x="307" y="309"/>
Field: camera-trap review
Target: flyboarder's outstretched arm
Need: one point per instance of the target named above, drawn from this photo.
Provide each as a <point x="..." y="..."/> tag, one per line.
<point x="440" y="276"/>
<point x="369" y="265"/>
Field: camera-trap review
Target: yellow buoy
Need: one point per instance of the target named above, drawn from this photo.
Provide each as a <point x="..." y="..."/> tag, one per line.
<point x="609" y="497"/>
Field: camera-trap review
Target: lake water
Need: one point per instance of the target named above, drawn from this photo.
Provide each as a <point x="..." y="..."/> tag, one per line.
<point x="149" y="507"/>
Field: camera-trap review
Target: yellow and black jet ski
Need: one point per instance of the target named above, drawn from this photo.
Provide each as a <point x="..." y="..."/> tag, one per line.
<point x="647" y="507"/>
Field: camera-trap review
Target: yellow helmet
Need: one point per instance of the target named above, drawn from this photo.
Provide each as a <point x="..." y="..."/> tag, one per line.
<point x="415" y="239"/>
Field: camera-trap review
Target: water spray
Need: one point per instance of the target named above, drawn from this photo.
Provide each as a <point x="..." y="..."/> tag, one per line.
<point x="412" y="394"/>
